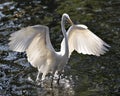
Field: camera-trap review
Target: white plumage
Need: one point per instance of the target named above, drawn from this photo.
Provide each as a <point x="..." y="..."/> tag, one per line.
<point x="82" y="40"/>
<point x="35" y="41"/>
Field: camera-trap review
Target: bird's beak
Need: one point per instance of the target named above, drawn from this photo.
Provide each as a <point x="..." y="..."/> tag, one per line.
<point x="70" y="21"/>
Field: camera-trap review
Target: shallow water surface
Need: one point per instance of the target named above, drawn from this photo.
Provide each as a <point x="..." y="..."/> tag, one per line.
<point x="84" y="75"/>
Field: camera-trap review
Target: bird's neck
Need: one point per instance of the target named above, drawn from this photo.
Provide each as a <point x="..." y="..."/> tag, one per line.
<point x="64" y="49"/>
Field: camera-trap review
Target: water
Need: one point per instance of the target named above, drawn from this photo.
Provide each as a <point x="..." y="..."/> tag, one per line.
<point x="84" y="75"/>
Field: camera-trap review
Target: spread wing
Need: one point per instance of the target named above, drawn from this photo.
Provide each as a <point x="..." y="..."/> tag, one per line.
<point x="35" y="41"/>
<point x="84" y="41"/>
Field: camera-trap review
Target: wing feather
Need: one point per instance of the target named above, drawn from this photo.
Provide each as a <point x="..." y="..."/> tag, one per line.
<point x="35" y="41"/>
<point x="20" y="40"/>
<point x="84" y="41"/>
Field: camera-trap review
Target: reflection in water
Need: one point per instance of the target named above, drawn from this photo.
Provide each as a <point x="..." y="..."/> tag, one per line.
<point x="65" y="88"/>
<point x="91" y="76"/>
<point x="16" y="80"/>
<point x="25" y="85"/>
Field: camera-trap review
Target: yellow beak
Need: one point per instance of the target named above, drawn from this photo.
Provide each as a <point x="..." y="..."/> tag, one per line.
<point x="70" y="21"/>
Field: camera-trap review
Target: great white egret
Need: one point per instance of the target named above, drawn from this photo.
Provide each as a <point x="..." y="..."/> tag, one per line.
<point x="35" y="41"/>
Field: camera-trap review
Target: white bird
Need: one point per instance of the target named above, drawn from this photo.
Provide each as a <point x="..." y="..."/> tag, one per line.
<point x="35" y="41"/>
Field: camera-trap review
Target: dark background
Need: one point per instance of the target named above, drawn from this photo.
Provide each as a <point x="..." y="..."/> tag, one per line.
<point x="87" y="75"/>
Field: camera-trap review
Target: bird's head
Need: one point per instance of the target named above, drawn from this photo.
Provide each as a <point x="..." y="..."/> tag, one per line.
<point x="66" y="17"/>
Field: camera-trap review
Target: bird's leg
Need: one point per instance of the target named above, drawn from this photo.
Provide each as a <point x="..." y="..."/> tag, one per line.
<point x="53" y="77"/>
<point x="51" y="85"/>
<point x="37" y="79"/>
<point x="52" y="81"/>
<point x="59" y="77"/>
